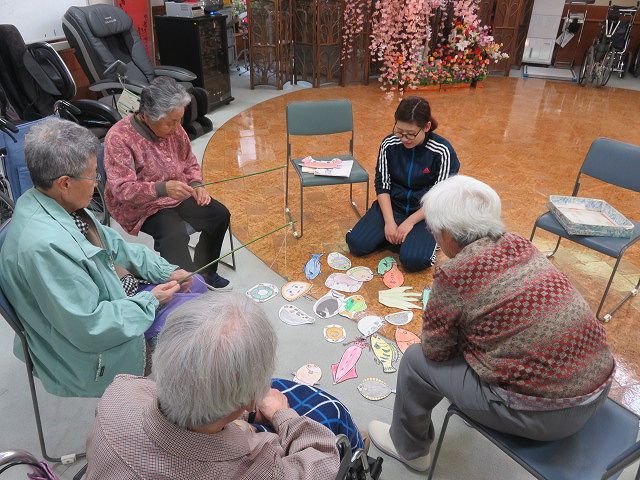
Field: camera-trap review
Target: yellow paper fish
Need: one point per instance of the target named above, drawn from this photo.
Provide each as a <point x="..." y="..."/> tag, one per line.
<point x="386" y="353"/>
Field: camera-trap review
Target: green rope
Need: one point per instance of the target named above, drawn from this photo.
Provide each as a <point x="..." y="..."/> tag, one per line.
<point x="239" y="177"/>
<point x="234" y="250"/>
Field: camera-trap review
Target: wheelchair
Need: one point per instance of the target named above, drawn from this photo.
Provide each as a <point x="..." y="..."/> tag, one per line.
<point x="609" y="51"/>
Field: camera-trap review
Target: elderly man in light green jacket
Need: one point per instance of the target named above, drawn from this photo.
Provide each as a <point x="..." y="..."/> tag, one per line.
<point x="70" y="279"/>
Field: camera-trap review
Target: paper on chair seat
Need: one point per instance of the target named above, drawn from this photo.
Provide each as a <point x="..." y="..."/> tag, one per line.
<point x="343" y="170"/>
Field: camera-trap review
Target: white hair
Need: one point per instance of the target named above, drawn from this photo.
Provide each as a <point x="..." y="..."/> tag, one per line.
<point x="466" y="208"/>
<point x="215" y="355"/>
<point x="162" y="96"/>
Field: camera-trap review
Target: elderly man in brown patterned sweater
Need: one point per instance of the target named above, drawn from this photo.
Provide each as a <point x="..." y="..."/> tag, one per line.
<point x="505" y="337"/>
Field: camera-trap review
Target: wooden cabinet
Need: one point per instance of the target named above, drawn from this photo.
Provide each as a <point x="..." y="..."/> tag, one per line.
<point x="199" y="45"/>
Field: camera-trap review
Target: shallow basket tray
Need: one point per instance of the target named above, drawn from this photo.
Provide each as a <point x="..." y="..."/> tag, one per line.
<point x="589" y="216"/>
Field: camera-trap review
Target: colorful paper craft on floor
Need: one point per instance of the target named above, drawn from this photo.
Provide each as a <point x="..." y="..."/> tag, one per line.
<point x="399" y="318"/>
<point x="338" y="261"/>
<point x="404" y="338"/>
<point x="426" y="293"/>
<point x="293" y="290"/>
<point x="292" y="315"/>
<point x="346" y="367"/>
<point x="385" y="265"/>
<point x="308" y="374"/>
<point x="342" y="282"/>
<point x="399" y="297"/>
<point x="329" y="304"/>
<point x="386" y="353"/>
<point x="369" y="325"/>
<point x="262" y="292"/>
<point x="374" y="389"/>
<point x="394" y="277"/>
<point x="352" y="306"/>
<point x="313" y="267"/>
<point x="334" y="333"/>
<point x="361" y="274"/>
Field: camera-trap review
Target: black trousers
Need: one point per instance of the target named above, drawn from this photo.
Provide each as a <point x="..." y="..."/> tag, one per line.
<point x="171" y="238"/>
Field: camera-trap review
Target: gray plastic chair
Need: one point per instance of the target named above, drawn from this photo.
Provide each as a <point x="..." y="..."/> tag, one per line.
<point x="321" y="118"/>
<point x="7" y="312"/>
<point x="616" y="163"/>
<point x="604" y="447"/>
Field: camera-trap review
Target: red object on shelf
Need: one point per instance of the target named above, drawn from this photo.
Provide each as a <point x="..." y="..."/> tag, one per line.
<point x="140" y="13"/>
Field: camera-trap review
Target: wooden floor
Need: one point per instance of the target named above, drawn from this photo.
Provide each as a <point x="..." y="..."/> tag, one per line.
<point x="525" y="138"/>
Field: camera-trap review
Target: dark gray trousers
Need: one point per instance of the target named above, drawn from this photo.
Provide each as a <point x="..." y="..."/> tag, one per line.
<point x="423" y="383"/>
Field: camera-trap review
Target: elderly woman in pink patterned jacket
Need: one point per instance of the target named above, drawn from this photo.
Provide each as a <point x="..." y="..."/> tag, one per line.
<point x="153" y="178"/>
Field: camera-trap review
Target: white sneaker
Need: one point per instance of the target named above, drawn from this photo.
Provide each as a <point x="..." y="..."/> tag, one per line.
<point x="379" y="435"/>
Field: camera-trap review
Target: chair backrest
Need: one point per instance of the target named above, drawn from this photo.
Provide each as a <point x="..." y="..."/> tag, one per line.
<point x="6" y="310"/>
<point x="102" y="34"/>
<point x="319" y="118"/>
<point x="613" y="162"/>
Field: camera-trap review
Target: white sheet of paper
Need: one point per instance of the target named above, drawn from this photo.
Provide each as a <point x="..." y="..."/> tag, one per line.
<point x="343" y="171"/>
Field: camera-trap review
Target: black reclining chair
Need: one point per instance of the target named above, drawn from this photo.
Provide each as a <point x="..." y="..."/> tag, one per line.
<point x="102" y="34"/>
<point x="37" y="83"/>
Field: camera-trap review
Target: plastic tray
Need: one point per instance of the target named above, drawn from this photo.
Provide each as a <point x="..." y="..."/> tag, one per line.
<point x="589" y="216"/>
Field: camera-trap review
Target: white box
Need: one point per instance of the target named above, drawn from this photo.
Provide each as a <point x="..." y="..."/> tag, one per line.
<point x="189" y="10"/>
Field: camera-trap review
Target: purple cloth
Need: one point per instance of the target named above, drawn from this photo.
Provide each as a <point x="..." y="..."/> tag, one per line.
<point x="197" y="288"/>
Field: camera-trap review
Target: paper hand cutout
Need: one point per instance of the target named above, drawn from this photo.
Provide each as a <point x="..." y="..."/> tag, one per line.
<point x="399" y="298"/>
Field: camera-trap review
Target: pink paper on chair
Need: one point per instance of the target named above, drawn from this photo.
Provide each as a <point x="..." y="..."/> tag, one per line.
<point x="310" y="162"/>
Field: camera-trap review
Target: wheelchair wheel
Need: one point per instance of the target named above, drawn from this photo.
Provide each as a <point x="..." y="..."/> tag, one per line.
<point x="586" y="71"/>
<point x="634" y="66"/>
<point x="606" y="69"/>
<point x="6" y="207"/>
<point x="623" y="64"/>
<point x="98" y="206"/>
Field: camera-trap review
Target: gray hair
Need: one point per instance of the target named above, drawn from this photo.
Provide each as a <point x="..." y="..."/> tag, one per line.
<point x="56" y="147"/>
<point x="216" y="354"/>
<point x="466" y="208"/>
<point x="162" y="96"/>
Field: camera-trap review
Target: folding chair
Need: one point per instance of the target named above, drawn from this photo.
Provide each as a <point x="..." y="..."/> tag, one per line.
<point x="7" y="312"/>
<point x="616" y="163"/>
<point x="321" y="118"/>
<point x="604" y="447"/>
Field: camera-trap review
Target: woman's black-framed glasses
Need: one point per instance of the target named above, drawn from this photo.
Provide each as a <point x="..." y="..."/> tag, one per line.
<point x="408" y="135"/>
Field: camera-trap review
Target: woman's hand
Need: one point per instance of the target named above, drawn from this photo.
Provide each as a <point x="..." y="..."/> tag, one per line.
<point x="179" y="190"/>
<point x="403" y="230"/>
<point x="178" y="275"/>
<point x="201" y="196"/>
<point x="272" y="403"/>
<point x="391" y="232"/>
<point x="165" y="291"/>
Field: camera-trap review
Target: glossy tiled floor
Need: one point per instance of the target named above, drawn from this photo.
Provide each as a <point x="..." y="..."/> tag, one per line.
<point x="526" y="138"/>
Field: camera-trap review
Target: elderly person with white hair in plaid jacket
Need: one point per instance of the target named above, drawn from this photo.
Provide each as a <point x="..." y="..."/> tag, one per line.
<point x="212" y="364"/>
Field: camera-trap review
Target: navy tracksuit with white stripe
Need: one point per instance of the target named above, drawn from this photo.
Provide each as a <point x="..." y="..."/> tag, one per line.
<point x="406" y="174"/>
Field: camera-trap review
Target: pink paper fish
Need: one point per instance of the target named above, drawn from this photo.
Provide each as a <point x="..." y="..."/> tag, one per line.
<point x="404" y="338"/>
<point x="346" y="368"/>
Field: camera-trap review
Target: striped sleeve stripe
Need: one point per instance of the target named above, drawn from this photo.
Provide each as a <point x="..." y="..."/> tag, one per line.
<point x="382" y="161"/>
<point x="443" y="150"/>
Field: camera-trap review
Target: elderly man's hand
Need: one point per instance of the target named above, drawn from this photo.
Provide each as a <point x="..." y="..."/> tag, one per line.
<point x="178" y="275"/>
<point x="165" y="291"/>
<point x="273" y="402"/>
<point x="201" y="196"/>
<point x="179" y="190"/>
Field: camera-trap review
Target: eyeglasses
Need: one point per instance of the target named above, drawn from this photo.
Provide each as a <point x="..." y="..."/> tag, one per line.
<point x="97" y="178"/>
<point x="408" y="135"/>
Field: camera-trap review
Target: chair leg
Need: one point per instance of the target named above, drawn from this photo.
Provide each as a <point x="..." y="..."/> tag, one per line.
<point x="298" y="234"/>
<point x="611" y="312"/>
<point x="549" y="255"/>
<point x="231" y="265"/>
<point x="439" y="446"/>
<point x="353" y="204"/>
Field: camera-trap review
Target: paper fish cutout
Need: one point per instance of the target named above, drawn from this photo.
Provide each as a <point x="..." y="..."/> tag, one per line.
<point x="308" y="374"/>
<point x="385" y="265"/>
<point x="386" y="353"/>
<point x="353" y="305"/>
<point x="342" y="282"/>
<point x="374" y="389"/>
<point x="338" y="261"/>
<point x="361" y="274"/>
<point x="292" y="315"/>
<point x="426" y="293"/>
<point x="262" y="292"/>
<point x="399" y="298"/>
<point x="346" y="367"/>
<point x="394" y="277"/>
<point x="329" y="304"/>
<point x="404" y="338"/>
<point x="369" y="325"/>
<point x="312" y="268"/>
<point x="399" y="318"/>
<point x="293" y="290"/>
<point x="311" y="162"/>
<point x="334" y="333"/>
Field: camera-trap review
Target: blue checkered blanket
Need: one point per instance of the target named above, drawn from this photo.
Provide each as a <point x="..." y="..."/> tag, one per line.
<point x="319" y="406"/>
